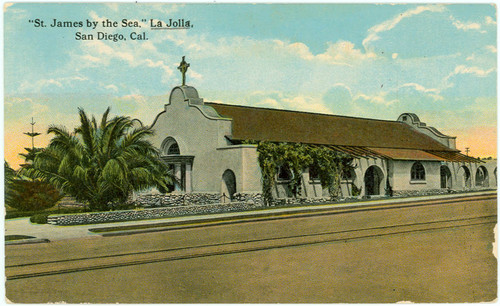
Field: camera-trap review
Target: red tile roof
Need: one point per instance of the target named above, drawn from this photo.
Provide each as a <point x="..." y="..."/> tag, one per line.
<point x="251" y="123"/>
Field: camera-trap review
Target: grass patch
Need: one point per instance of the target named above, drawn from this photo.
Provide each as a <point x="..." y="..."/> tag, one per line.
<point x="17" y="237"/>
<point x="11" y="214"/>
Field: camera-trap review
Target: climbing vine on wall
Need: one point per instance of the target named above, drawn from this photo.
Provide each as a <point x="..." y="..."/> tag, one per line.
<point x="330" y="165"/>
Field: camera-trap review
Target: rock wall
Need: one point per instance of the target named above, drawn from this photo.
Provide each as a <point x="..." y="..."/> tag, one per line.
<point x="148" y="213"/>
<point x="173" y="205"/>
<point x="167" y="200"/>
<point x="414" y="193"/>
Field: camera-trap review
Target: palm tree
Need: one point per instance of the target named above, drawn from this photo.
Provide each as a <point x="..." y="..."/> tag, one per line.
<point x="100" y="164"/>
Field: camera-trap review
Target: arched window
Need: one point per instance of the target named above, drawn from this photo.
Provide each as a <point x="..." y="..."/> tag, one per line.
<point x="170" y="147"/>
<point x="417" y="172"/>
<point x="173" y="149"/>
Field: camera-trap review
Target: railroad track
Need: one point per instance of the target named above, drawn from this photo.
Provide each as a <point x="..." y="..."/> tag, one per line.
<point x="270" y="216"/>
<point x="40" y="269"/>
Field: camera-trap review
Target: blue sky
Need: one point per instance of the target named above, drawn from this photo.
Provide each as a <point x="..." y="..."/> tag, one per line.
<point x="366" y="60"/>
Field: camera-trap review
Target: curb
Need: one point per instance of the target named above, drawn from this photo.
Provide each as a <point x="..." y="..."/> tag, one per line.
<point x="27" y="241"/>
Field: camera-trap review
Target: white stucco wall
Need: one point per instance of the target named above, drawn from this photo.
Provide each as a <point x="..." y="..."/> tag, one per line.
<point x="402" y="175"/>
<point x="201" y="133"/>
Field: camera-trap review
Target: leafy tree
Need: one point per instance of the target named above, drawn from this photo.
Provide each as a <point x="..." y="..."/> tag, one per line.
<point x="29" y="156"/>
<point x="100" y="164"/>
<point x="329" y="163"/>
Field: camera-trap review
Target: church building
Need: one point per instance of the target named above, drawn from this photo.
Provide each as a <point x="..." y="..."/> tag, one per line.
<point x="206" y="146"/>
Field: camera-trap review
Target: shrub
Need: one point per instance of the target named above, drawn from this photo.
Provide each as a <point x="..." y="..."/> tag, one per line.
<point x="19" y="214"/>
<point x="39" y="218"/>
<point x="32" y="195"/>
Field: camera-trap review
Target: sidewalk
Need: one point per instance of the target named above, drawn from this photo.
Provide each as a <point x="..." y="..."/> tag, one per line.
<point x="22" y="226"/>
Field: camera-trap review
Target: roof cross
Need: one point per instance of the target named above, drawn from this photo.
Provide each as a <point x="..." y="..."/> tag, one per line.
<point x="183" y="67"/>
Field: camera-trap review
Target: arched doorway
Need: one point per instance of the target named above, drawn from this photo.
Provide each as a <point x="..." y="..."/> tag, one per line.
<point x="463" y="177"/>
<point x="445" y="177"/>
<point x="374" y="178"/>
<point x="482" y="177"/>
<point x="495" y="174"/>
<point x="348" y="186"/>
<point x="228" y="184"/>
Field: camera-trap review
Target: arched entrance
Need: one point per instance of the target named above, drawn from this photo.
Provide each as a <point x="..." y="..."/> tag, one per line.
<point x="482" y="177"/>
<point x="374" y="178"/>
<point x="445" y="177"/>
<point x="463" y="177"/>
<point x="228" y="184"/>
<point x="180" y="165"/>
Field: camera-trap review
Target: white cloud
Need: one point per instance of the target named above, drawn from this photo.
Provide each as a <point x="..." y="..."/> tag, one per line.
<point x="421" y="88"/>
<point x="491" y="48"/>
<point x="160" y="64"/>
<point x="344" y="86"/>
<point x="195" y="75"/>
<point x="467" y="25"/>
<point x="391" y="23"/>
<point x="379" y="98"/>
<point x="62" y="82"/>
<point x="113" y="6"/>
<point x="39" y="85"/>
<point x="343" y="52"/>
<point x="99" y="52"/>
<point x="111" y="87"/>
<point x="18" y="108"/>
<point x="73" y="78"/>
<point x="96" y="17"/>
<point x="278" y="100"/>
<point x="489" y="20"/>
<point x="462" y="69"/>
<point x="269" y="102"/>
<point x="431" y="92"/>
<point x="471" y="70"/>
<point x="296" y="48"/>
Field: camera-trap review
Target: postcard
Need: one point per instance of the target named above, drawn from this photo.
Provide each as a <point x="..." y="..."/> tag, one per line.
<point x="250" y="153"/>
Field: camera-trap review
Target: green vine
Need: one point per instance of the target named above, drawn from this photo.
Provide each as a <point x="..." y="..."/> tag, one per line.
<point x="329" y="163"/>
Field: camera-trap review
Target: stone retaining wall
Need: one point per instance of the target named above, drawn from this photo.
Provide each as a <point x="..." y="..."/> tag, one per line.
<point x="151" y="208"/>
<point x="149" y="213"/>
<point x="165" y="200"/>
<point x="169" y="200"/>
<point x="302" y="201"/>
<point x="172" y="205"/>
<point x="414" y="193"/>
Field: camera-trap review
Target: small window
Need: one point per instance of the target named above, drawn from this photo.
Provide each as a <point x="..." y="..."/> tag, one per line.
<point x="405" y="118"/>
<point x="314" y="173"/>
<point x="284" y="173"/>
<point x="417" y="172"/>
